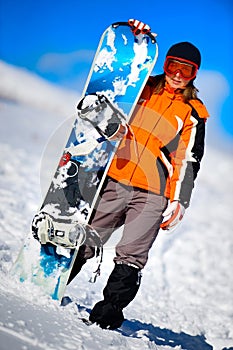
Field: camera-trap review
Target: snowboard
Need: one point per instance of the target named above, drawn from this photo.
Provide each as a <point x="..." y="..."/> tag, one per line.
<point x="120" y="69"/>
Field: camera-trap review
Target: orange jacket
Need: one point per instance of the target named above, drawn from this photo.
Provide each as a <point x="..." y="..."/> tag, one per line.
<point x="164" y="145"/>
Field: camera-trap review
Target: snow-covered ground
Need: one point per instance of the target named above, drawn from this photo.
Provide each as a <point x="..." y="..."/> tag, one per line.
<point x="186" y="297"/>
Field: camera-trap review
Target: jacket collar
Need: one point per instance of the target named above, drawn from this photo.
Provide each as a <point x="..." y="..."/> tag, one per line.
<point x="173" y="94"/>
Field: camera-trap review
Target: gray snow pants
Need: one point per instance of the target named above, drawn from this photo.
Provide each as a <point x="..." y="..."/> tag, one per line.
<point x="141" y="214"/>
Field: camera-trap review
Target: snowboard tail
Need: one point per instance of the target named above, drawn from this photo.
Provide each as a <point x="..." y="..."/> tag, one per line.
<point x="121" y="67"/>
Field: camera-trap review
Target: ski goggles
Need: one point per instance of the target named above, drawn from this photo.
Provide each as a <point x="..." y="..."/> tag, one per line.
<point x="187" y="69"/>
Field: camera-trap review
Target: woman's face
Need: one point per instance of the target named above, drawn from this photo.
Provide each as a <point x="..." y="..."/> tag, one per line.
<point x="176" y="81"/>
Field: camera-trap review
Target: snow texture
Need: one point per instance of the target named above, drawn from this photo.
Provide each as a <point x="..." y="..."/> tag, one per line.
<point x="185" y="301"/>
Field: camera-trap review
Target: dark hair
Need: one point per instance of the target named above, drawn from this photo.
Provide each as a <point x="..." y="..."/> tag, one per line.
<point x="189" y="92"/>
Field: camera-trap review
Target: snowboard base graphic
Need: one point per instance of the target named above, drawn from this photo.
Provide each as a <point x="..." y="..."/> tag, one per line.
<point x="121" y="67"/>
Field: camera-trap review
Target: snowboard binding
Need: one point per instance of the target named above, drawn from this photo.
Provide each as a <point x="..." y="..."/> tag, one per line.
<point x="64" y="234"/>
<point x="103" y="116"/>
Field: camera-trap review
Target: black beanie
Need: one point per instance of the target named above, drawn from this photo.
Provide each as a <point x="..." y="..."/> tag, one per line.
<point x="187" y="51"/>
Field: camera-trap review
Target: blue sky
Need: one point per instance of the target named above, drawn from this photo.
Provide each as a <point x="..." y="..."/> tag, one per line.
<point x="57" y="39"/>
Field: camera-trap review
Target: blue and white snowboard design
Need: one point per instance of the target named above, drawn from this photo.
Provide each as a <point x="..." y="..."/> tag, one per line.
<point x="120" y="69"/>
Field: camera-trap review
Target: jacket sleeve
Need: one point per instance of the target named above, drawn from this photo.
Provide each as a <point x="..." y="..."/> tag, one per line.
<point x="187" y="158"/>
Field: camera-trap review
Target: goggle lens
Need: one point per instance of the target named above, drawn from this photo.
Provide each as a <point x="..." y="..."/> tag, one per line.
<point x="187" y="70"/>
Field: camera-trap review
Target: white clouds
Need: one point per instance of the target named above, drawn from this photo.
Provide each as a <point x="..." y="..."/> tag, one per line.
<point x="214" y="92"/>
<point x="214" y="89"/>
<point x="67" y="69"/>
<point x="64" y="63"/>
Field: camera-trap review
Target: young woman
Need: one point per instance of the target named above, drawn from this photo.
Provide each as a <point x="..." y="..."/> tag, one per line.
<point x="151" y="177"/>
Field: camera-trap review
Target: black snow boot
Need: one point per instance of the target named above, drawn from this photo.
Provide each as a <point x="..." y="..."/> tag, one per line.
<point x="121" y="289"/>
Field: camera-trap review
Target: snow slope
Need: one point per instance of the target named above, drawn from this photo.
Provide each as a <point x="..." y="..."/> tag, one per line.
<point x="185" y="301"/>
